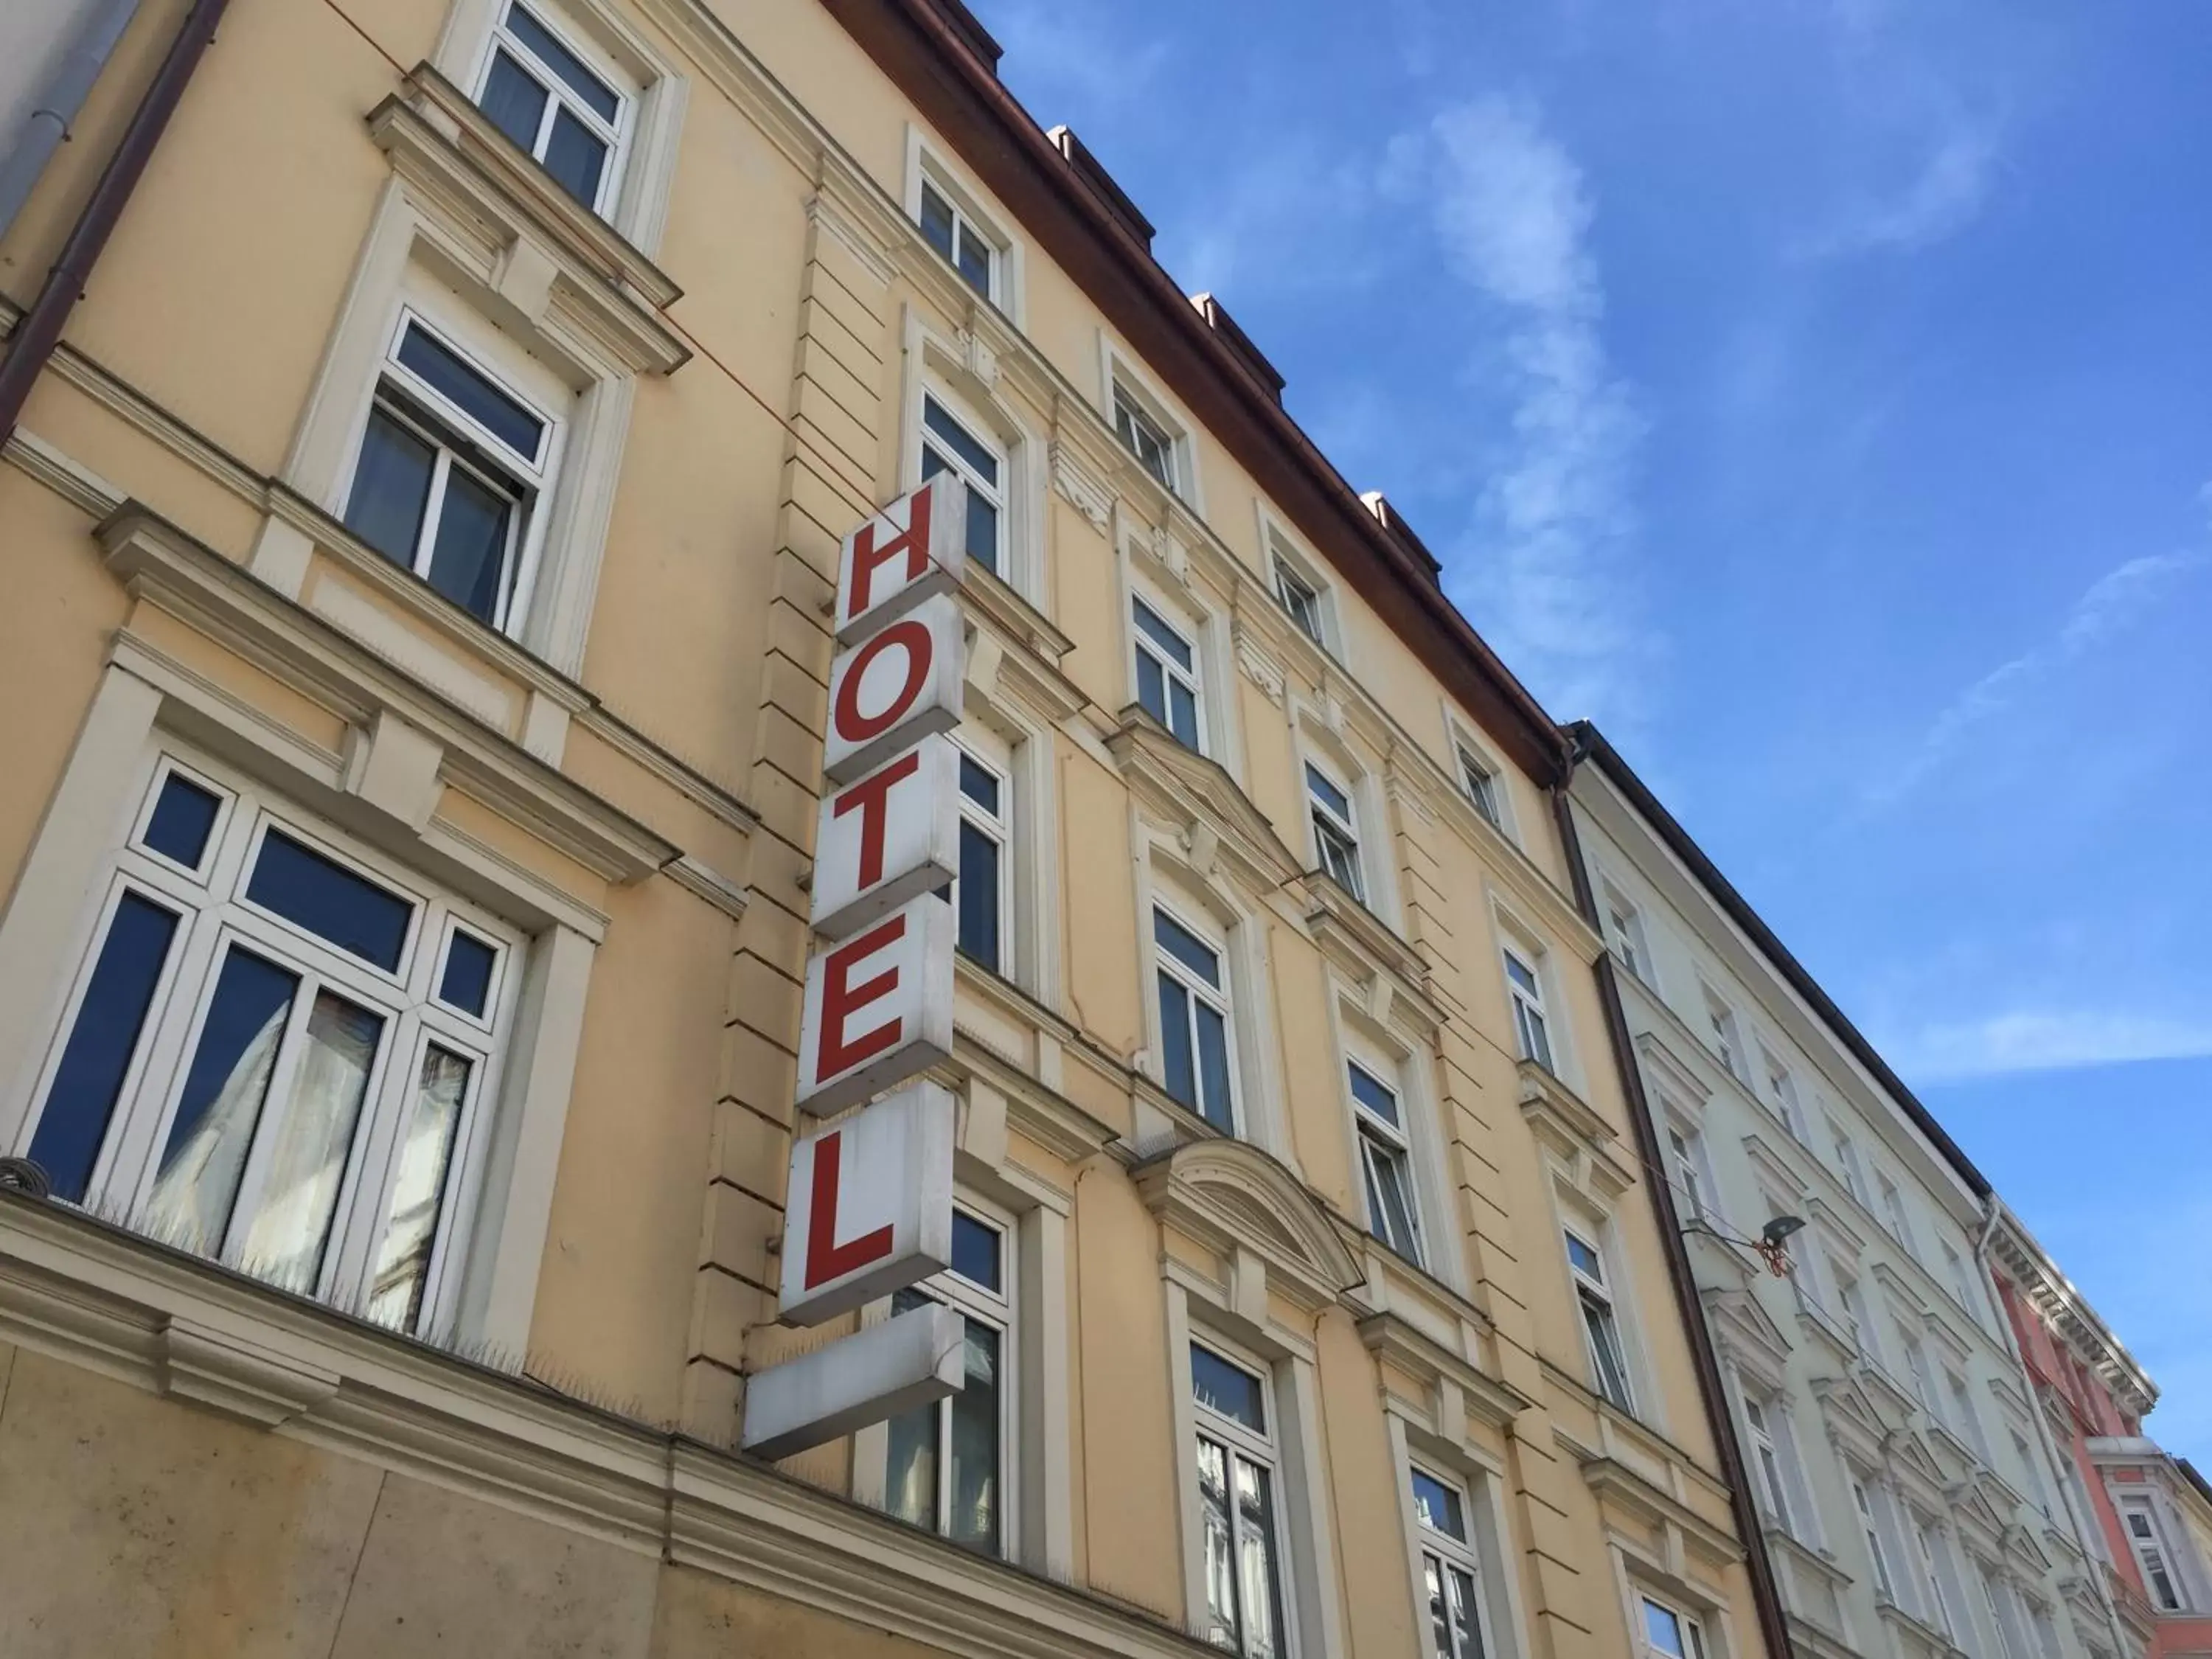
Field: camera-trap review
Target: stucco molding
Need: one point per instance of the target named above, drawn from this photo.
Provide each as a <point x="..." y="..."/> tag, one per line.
<point x="1228" y="1193"/>
<point x="1192" y="793"/>
<point x="166" y="567"/>
<point x="1360" y="944"/>
<point x="593" y="289"/>
<point x="1624" y="1489"/>
<point x="1576" y="1136"/>
<point x="1457" y="1383"/>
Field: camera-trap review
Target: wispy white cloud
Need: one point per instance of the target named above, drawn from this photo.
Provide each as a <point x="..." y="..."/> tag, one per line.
<point x="1064" y="55"/>
<point x="1952" y="185"/>
<point x="1539" y="569"/>
<point x="2119" y="597"/>
<point x="2047" y="1039"/>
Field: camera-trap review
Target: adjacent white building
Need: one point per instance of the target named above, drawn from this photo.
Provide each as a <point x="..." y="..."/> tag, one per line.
<point x="1909" y="1502"/>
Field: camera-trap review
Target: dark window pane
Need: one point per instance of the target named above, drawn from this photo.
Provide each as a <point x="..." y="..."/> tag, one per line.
<point x="468" y="561"/>
<point x="960" y="440"/>
<point x="1179" y="942"/>
<point x="466" y="982"/>
<point x="1178" y="1067"/>
<point x="183" y="818"/>
<point x="1157" y="628"/>
<point x="1213" y="1068"/>
<point x="100" y="1044"/>
<point x="1219" y="1546"/>
<point x="975" y="1250"/>
<point x="1151" y="687"/>
<point x="937" y="221"/>
<point x="514" y="102"/>
<point x="975" y="1419"/>
<point x="978" y="896"/>
<point x="574" y="155"/>
<point x="1229" y="1390"/>
<point x="1438" y="1506"/>
<point x="596" y="94"/>
<point x="426" y="1154"/>
<point x="982" y="539"/>
<point x="326" y="898"/>
<point x="390" y="485"/>
<point x="1328" y="793"/>
<point x="1370" y="1092"/>
<point x="1182" y="714"/>
<point x="975" y="261"/>
<point x="442" y="368"/>
<point x="221" y="1104"/>
<point x="979" y="785"/>
<point x="1259" y="1598"/>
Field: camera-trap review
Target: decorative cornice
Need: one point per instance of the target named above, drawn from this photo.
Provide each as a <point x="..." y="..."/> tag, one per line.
<point x="588" y="277"/>
<point x="1575" y="1134"/>
<point x="1626" y="1488"/>
<point x="1228" y="1193"/>
<point x="166" y="568"/>
<point x="1195" y="794"/>
<point x="1491" y="1400"/>
<point x="1364" y="946"/>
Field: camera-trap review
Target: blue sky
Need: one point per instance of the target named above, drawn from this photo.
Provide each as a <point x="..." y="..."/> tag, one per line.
<point x="1817" y="393"/>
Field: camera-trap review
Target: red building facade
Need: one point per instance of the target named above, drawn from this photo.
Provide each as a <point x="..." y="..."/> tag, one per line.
<point x="2146" y="1514"/>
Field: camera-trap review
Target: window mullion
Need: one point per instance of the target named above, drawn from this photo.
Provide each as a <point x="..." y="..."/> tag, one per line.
<point x="433" y="507"/>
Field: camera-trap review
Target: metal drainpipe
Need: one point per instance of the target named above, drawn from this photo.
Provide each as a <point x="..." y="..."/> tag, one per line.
<point x="1993" y="1208"/>
<point x="39" y="329"/>
<point x="1766" y="1596"/>
<point x="48" y="128"/>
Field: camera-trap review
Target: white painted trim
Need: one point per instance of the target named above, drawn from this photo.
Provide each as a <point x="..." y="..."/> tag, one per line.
<point x="925" y="159"/>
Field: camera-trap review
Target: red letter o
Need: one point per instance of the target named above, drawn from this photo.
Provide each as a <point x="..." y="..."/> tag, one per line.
<point x="912" y="636"/>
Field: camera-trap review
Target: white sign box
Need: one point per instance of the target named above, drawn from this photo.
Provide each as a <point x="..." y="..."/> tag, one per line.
<point x="909" y="1360"/>
<point x="914" y="548"/>
<point x="898" y="686"/>
<point x="879" y="1007"/>
<point x="870" y="1206"/>
<point x="886" y="838"/>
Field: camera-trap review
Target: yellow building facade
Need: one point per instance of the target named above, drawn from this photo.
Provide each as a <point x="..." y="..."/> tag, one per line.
<point x="418" y="552"/>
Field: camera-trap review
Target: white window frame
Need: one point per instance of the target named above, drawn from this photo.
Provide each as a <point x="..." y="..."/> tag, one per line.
<point x="1370" y="1132"/>
<point x="1871" y="1530"/>
<point x="1847" y="1160"/>
<point x="1597" y="1304"/>
<point x="536" y="477"/>
<point x="1922" y="1379"/>
<point x="213" y="915"/>
<point x="1898" y="1217"/>
<point x="1724" y="1033"/>
<point x="1000" y="496"/>
<point x="1779" y="1090"/>
<point x="1928" y="1550"/>
<point x="1968" y="1421"/>
<point x="1690" y="1625"/>
<point x="1625" y="934"/>
<point x="617" y="134"/>
<point x="1000" y="1311"/>
<point x="1472" y="758"/>
<point x="986" y="753"/>
<point x="1220" y="998"/>
<point x="1527" y="1004"/>
<point x="1264" y="1450"/>
<point x="1773" y="1482"/>
<point x="2154" y="1551"/>
<point x="1122" y="379"/>
<point x="1135" y="408"/>
<point x="1962" y="1284"/>
<point x="1324" y="822"/>
<point x="1993" y="1594"/>
<point x="925" y="166"/>
<point x="2037" y="1489"/>
<point x="1438" y="1549"/>
<point x="1192" y="678"/>
<point x="1686" y="1167"/>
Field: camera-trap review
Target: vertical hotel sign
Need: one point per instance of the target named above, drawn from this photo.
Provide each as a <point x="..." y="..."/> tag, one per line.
<point x="869" y="1206"/>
